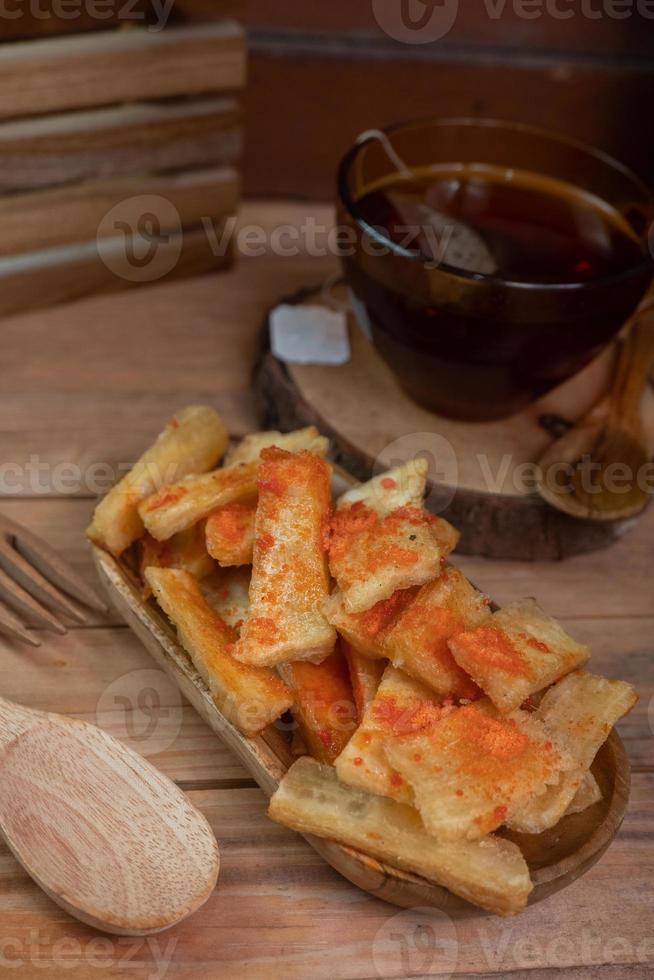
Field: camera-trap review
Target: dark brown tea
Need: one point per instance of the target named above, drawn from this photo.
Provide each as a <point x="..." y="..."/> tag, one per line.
<point x="483" y="356"/>
<point x="530" y="228"/>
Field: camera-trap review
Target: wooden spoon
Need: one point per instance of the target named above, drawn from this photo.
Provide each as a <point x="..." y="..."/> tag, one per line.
<point x="109" y="838"/>
<point x="576" y="472"/>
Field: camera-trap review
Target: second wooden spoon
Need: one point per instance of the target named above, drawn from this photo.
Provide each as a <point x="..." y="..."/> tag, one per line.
<point x="595" y="470"/>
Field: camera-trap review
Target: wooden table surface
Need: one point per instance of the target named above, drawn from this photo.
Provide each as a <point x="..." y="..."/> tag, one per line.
<point x="85" y="387"/>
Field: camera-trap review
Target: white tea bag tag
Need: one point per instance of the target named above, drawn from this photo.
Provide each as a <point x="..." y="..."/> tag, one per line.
<point x="309" y="335"/>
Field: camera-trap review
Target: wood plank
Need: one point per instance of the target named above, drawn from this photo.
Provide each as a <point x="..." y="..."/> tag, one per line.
<point x="106" y="677"/>
<point x="51" y="18"/>
<point x="372" y="85"/>
<point x="605" y="584"/>
<point x="114" y="66"/>
<point x="115" y="142"/>
<point x="79" y="212"/>
<point x="510" y="26"/>
<point x="279" y="911"/>
<point x="91" y="362"/>
<point x="23" y="21"/>
<point x="67" y="272"/>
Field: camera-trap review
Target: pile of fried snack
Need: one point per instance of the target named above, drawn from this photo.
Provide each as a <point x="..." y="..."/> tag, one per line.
<point x="425" y="721"/>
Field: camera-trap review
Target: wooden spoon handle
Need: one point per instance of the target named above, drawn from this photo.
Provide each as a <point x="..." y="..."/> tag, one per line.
<point x="14" y="720"/>
<point x="635" y="363"/>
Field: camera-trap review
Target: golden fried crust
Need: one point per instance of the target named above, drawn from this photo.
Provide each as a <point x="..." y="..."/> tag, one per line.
<point x="403" y="486"/>
<point x="177" y="506"/>
<point x="230" y="533"/>
<point x="417" y="641"/>
<point x="371" y="557"/>
<point x="517" y="652"/>
<point x="192" y="442"/>
<point x="400" y="706"/>
<point x="290" y="580"/>
<point x="473" y="768"/>
<point x="579" y="712"/>
<point x="412" y="629"/>
<point x="186" y="550"/>
<point x="492" y="872"/>
<point x="250" y="697"/>
<point x="365" y="677"/>
<point x="227" y="592"/>
<point x="586" y="795"/>
<point x="324" y="704"/>
<point x="249" y="448"/>
<point x="365" y="631"/>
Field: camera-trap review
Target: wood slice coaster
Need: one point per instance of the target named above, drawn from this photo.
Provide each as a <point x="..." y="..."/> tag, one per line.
<point x="481" y="473"/>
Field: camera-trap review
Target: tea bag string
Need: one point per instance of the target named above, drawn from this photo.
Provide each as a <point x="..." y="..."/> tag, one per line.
<point x="327" y="289"/>
<point x="390" y="150"/>
<point x="458" y="243"/>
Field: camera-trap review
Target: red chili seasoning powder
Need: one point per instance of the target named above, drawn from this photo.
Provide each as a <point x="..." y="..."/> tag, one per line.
<point x="533" y="642"/>
<point x="491" y="647"/>
<point x="499" y="738"/>
<point x="346" y="524"/>
<point x="232" y="521"/>
<point x="383" y="613"/>
<point x="165" y="497"/>
<point x="265" y="541"/>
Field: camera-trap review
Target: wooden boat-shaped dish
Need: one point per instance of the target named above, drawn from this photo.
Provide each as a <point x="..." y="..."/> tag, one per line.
<point x="556" y="857"/>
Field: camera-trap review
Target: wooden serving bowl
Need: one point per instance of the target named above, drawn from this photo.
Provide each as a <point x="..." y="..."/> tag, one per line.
<point x="556" y="857"/>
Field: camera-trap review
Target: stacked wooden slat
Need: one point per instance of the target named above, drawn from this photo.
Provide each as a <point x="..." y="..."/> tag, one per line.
<point x="119" y="152"/>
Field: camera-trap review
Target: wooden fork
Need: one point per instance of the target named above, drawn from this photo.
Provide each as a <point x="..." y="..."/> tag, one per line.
<point x="35" y="583"/>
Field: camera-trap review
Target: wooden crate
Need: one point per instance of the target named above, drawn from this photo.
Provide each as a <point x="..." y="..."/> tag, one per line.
<point x="117" y="149"/>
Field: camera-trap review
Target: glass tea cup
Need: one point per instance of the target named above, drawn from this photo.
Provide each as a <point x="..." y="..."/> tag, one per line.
<point x="544" y="257"/>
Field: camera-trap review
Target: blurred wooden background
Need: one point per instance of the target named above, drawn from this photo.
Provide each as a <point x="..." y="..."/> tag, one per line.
<point x="336" y="73"/>
<point x="120" y="142"/>
<point x="319" y="73"/>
